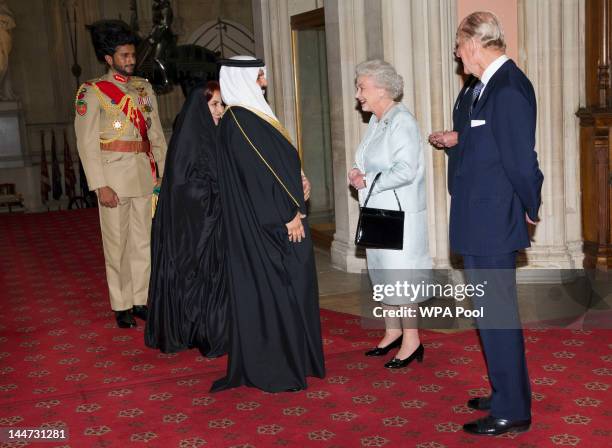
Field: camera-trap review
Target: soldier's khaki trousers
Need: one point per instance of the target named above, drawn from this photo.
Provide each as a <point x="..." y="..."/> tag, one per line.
<point x="126" y="236"/>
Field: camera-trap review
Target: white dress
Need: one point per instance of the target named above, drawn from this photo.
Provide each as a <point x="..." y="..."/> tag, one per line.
<point x="394" y="148"/>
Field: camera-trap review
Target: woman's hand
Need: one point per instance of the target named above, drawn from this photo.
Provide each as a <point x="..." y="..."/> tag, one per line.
<point x="295" y="229"/>
<point x="356" y="179"/>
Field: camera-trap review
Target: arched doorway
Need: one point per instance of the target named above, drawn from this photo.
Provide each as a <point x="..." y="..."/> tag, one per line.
<point x="226" y="37"/>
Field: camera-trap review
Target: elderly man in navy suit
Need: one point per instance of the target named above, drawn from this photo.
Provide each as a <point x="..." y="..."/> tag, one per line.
<point x="495" y="193"/>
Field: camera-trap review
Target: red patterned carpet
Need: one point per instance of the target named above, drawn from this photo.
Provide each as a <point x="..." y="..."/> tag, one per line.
<point x="64" y="364"/>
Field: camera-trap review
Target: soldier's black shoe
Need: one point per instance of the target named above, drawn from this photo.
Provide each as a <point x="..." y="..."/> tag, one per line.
<point x="140" y="311"/>
<point x="125" y="319"/>
<point x="491" y="426"/>
<point x="480" y="403"/>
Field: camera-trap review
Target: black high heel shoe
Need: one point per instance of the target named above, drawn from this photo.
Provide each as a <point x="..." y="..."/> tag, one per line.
<point x="382" y="351"/>
<point x="397" y="363"/>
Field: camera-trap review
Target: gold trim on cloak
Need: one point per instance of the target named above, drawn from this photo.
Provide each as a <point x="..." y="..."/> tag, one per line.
<point x="273" y="122"/>
<point x="295" y="201"/>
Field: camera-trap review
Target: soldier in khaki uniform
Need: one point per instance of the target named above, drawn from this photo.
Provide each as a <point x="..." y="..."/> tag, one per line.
<point x="122" y="146"/>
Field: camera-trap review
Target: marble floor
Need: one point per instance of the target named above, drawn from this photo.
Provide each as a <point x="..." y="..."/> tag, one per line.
<point x="338" y="290"/>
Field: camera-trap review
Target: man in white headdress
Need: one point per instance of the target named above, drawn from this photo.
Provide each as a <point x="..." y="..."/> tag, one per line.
<point x="275" y="326"/>
<point x="241" y="91"/>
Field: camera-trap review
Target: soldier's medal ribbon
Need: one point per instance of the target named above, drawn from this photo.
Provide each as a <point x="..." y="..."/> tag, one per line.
<point x="145" y="102"/>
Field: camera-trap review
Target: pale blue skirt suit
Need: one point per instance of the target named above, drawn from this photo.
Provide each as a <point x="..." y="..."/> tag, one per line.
<point x="393" y="147"/>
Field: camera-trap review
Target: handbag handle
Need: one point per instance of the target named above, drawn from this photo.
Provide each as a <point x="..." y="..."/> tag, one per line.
<point x="370" y="193"/>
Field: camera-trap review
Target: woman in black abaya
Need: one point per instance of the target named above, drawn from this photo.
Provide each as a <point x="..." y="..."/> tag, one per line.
<point x="188" y="293"/>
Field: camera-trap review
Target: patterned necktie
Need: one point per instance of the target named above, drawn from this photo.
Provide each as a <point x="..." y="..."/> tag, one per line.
<point x="475" y="94"/>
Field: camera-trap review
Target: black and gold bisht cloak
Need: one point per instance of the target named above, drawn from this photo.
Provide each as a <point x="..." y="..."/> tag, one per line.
<point x="188" y="293"/>
<point x="275" y="333"/>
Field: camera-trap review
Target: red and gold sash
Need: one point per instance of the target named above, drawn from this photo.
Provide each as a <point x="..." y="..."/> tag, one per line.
<point x="116" y="96"/>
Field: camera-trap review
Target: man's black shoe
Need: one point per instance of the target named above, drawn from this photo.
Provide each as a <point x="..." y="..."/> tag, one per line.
<point x="480" y="403"/>
<point x="491" y="426"/>
<point x="125" y="319"/>
<point x="140" y="311"/>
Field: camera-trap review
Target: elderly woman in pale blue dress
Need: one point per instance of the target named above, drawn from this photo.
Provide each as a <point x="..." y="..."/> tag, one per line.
<point x="392" y="146"/>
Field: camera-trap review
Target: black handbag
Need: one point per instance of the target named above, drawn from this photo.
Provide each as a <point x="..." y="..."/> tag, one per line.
<point x="379" y="228"/>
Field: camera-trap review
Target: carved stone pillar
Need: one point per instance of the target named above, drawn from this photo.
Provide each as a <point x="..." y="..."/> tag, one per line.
<point x="346" y="47"/>
<point x="550" y="55"/>
<point x="426" y="62"/>
<point x="273" y="42"/>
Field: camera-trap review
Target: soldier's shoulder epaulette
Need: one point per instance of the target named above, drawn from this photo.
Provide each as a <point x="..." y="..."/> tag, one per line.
<point x="139" y="79"/>
<point x="83" y="87"/>
<point x="92" y="81"/>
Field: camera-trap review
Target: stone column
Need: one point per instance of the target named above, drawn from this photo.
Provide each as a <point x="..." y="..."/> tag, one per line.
<point x="425" y="60"/>
<point x="551" y="50"/>
<point x="272" y="25"/>
<point x="346" y="47"/>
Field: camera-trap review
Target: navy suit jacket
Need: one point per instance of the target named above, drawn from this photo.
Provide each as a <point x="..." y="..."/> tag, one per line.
<point x="461" y="118"/>
<point x="497" y="179"/>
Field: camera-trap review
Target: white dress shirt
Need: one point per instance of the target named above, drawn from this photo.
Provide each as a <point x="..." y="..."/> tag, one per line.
<point x="490" y="71"/>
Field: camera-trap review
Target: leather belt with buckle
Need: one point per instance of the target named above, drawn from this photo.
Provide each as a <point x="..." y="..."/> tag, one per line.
<point x="126" y="146"/>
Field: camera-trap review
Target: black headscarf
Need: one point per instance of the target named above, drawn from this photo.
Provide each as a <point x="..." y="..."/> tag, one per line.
<point x="187" y="290"/>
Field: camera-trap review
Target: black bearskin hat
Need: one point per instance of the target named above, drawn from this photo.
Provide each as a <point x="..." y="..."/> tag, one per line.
<point x="107" y="35"/>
